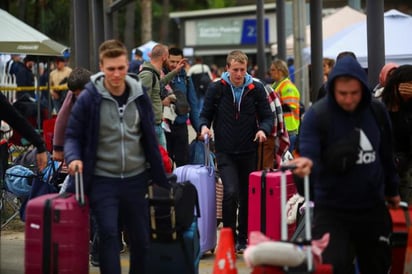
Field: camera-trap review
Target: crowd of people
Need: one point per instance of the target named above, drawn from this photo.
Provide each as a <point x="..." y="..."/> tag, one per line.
<point x="359" y="162"/>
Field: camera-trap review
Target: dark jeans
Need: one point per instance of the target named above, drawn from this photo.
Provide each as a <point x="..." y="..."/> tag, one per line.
<point x="57" y="103"/>
<point x="178" y="144"/>
<point x="108" y="197"/>
<point x="362" y="233"/>
<point x="292" y="139"/>
<point x="234" y="171"/>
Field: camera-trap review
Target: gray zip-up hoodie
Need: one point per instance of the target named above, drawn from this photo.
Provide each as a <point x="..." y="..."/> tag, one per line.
<point x="119" y="151"/>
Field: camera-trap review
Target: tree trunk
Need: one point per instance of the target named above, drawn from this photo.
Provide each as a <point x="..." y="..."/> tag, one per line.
<point x="22" y="10"/>
<point x="146" y="21"/>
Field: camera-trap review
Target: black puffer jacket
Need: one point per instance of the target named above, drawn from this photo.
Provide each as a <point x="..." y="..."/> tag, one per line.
<point x="234" y="125"/>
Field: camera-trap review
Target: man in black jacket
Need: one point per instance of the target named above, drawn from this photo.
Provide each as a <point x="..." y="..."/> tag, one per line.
<point x="241" y="117"/>
<point x="12" y="117"/>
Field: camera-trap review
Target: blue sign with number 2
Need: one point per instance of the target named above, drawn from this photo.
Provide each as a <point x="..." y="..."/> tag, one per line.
<point x="249" y="31"/>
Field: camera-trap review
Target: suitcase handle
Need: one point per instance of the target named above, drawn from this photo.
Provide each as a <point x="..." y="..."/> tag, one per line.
<point x="208" y="163"/>
<point x="79" y="187"/>
<point x="284" y="233"/>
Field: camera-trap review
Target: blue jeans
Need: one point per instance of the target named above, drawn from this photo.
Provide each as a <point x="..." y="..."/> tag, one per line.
<point x="292" y="139"/>
<point x="107" y="198"/>
<point x="57" y="103"/>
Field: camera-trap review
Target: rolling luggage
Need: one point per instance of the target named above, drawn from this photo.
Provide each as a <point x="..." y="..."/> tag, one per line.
<point x="203" y="177"/>
<point x="401" y="225"/>
<point x="264" y="202"/>
<point x="174" y="246"/>
<point x="57" y="233"/>
<point x="309" y="266"/>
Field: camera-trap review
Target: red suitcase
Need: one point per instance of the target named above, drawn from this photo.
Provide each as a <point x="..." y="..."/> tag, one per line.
<point x="264" y="202"/>
<point x="401" y="222"/>
<point x="57" y="233"/>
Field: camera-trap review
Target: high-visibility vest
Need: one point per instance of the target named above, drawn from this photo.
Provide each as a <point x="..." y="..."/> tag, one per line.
<point x="290" y="98"/>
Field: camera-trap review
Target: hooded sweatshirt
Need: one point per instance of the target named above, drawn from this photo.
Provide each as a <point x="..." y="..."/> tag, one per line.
<point x="118" y="148"/>
<point x="372" y="177"/>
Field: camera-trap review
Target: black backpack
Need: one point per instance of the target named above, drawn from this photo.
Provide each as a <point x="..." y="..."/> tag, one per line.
<point x="172" y="211"/>
<point x="201" y="81"/>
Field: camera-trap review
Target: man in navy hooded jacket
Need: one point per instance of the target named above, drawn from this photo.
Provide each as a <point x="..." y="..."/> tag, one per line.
<point x="110" y="138"/>
<point x="350" y="195"/>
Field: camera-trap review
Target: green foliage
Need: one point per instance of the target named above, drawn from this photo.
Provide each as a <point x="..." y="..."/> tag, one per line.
<point x="52" y="17"/>
<point x="215" y="4"/>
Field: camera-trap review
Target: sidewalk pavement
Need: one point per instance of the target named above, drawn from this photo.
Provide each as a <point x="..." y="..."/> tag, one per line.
<point x="12" y="257"/>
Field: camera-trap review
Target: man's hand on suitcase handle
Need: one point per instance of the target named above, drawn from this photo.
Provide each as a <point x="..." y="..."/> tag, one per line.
<point x="394" y="202"/>
<point x="75" y="166"/>
<point x="260" y="136"/>
<point x="205" y="131"/>
<point x="300" y="166"/>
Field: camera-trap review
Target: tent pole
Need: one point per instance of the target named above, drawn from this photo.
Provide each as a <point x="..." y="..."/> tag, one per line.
<point x="38" y="93"/>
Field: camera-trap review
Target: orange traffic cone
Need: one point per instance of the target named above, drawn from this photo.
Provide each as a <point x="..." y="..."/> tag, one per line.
<point x="225" y="261"/>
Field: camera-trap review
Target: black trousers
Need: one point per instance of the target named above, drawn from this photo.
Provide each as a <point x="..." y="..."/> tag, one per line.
<point x="178" y="144"/>
<point x="234" y="171"/>
<point x="360" y="233"/>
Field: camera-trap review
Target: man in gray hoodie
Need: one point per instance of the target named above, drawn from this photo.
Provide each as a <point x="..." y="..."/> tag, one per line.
<point x="110" y="138"/>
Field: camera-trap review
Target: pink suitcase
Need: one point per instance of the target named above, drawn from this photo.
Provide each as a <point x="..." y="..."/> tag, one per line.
<point x="57" y="234"/>
<point x="311" y="266"/>
<point x="264" y="202"/>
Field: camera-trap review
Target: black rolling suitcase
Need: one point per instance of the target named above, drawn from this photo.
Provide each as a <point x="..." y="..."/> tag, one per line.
<point x="174" y="248"/>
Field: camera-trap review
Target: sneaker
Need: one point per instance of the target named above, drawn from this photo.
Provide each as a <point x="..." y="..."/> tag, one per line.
<point x="240" y="248"/>
<point x="94" y="260"/>
<point x="122" y="248"/>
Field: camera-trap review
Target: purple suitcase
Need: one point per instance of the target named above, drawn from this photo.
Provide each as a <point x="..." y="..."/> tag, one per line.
<point x="203" y="177"/>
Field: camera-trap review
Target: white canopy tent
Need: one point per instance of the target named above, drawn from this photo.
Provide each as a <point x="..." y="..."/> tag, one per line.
<point x="19" y="38"/>
<point x="331" y="25"/>
<point x="398" y="40"/>
<point x="146" y="48"/>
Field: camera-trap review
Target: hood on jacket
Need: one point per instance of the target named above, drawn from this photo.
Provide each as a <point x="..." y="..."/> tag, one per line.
<point x="132" y="81"/>
<point x="238" y="91"/>
<point x="349" y="66"/>
<point x="248" y="79"/>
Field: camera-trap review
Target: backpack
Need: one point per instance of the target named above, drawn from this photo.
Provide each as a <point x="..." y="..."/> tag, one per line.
<point x="201" y="82"/>
<point x="173" y="210"/>
<point x="182" y="106"/>
<point x="154" y="72"/>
